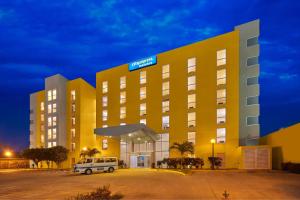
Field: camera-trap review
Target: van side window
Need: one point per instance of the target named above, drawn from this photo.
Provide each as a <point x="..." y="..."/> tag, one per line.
<point x="99" y="160"/>
<point x="110" y="160"/>
<point x="89" y="160"/>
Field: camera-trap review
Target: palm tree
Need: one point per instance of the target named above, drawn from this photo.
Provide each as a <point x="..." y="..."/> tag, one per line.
<point x="89" y="152"/>
<point x="185" y="147"/>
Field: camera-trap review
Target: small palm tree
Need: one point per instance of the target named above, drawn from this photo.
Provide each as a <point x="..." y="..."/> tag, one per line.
<point x="89" y="152"/>
<point x="185" y="147"/>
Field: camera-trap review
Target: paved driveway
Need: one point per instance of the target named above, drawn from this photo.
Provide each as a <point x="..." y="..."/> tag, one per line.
<point x="152" y="184"/>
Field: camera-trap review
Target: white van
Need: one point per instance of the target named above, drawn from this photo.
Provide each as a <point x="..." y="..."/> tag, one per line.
<point x="92" y="165"/>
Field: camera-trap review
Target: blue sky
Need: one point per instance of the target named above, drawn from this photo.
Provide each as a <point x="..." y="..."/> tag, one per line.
<point x="77" y="38"/>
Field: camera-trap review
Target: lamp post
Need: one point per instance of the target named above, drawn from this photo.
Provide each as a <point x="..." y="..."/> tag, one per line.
<point x="8" y="153"/>
<point x="213" y="141"/>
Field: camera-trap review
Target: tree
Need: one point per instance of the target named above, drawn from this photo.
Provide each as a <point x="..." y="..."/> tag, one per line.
<point x="89" y="152"/>
<point x="34" y="154"/>
<point x="58" y="154"/>
<point x="183" y="148"/>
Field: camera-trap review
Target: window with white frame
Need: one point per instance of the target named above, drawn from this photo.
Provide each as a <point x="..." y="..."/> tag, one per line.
<point x="191" y="83"/>
<point x="166" y="88"/>
<point x="165" y="71"/>
<point x="54" y="108"/>
<point x="122" y="124"/>
<point x="143" y="121"/>
<point x="191" y="101"/>
<point x="49" y="144"/>
<point x="73" y="121"/>
<point x="165" y="122"/>
<point x="49" y="121"/>
<point x="221" y="135"/>
<point x="73" y="132"/>
<point x="104" y="87"/>
<point x="122" y="112"/>
<point x="104" y="101"/>
<point x="192" y="137"/>
<point x="162" y="147"/>
<point x="54" y="121"/>
<point x="54" y="144"/>
<point x="49" y="108"/>
<point x="191" y="65"/>
<point x="221" y="96"/>
<point x="49" y="134"/>
<point x="49" y="94"/>
<point x="73" y="95"/>
<point x="192" y="119"/>
<point x="104" y="126"/>
<point x="123" y="82"/>
<point x="54" y="133"/>
<point x="42" y="106"/>
<point x="73" y="107"/>
<point x="165" y="106"/>
<point x="104" y="144"/>
<point x="221" y="57"/>
<point x="143" y="77"/>
<point x="54" y="94"/>
<point x="143" y="109"/>
<point x="221" y="77"/>
<point x="143" y="93"/>
<point x="104" y="115"/>
<point x="221" y="116"/>
<point x="122" y="97"/>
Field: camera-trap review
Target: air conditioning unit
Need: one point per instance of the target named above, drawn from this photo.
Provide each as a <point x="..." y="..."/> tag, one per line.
<point x="220" y="103"/>
<point x="221" y="122"/>
<point x="165" y="127"/>
<point x="191" y="126"/>
<point x="191" y="107"/>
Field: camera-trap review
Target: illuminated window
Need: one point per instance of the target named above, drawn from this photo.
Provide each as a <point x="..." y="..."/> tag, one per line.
<point x="221" y="96"/>
<point x="123" y="82"/>
<point x="104" y="87"/>
<point x="49" y="134"/>
<point x="49" y="108"/>
<point x="122" y="97"/>
<point x="221" y="116"/>
<point x="42" y="106"/>
<point x="122" y="112"/>
<point x="105" y="126"/>
<point x="192" y="137"/>
<point x="221" y="77"/>
<point x="143" y="93"/>
<point x="166" y="88"/>
<point x="73" y="107"/>
<point x="49" y="121"/>
<point x="191" y="83"/>
<point x="192" y="119"/>
<point x="221" y="135"/>
<point x="73" y="95"/>
<point x="122" y="124"/>
<point x="104" y="144"/>
<point x="165" y="106"/>
<point x="54" y="121"/>
<point x="53" y="144"/>
<point x="143" y="77"/>
<point x="54" y="94"/>
<point x="42" y="138"/>
<point x="165" y="71"/>
<point x="54" y="108"/>
<point x="73" y="146"/>
<point x="73" y="121"/>
<point x="143" y="109"/>
<point x="143" y="121"/>
<point x="104" y="101"/>
<point x="49" y="144"/>
<point x="165" y="122"/>
<point x="49" y="95"/>
<point x="54" y="133"/>
<point x="42" y="117"/>
<point x="104" y="115"/>
<point x="73" y="132"/>
<point x="191" y="101"/>
<point x="221" y="57"/>
<point x="191" y="65"/>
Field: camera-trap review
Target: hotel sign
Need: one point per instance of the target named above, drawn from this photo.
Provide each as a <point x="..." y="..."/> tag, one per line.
<point x="145" y="62"/>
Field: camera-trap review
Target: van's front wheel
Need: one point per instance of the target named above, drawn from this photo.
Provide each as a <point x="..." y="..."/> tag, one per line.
<point x="88" y="172"/>
<point x="111" y="169"/>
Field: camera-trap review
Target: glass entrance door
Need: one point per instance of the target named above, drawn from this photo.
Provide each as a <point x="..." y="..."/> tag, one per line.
<point x="143" y="161"/>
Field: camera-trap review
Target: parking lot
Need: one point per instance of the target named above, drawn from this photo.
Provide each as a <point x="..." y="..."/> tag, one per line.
<point x="151" y="184"/>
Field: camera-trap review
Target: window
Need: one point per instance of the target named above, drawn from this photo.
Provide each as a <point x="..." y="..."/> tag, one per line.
<point x="104" y="115"/>
<point x="165" y="122"/>
<point x="143" y="77"/>
<point x="143" y="109"/>
<point x="122" y="124"/>
<point x="53" y="144"/>
<point x="221" y="77"/>
<point x="252" y="61"/>
<point x="252" y="41"/>
<point x="165" y="106"/>
<point x="192" y="119"/>
<point x="42" y="127"/>
<point x="99" y="160"/>
<point x="73" y="95"/>
<point x="221" y="57"/>
<point x="49" y="121"/>
<point x="221" y="116"/>
<point x="54" y="108"/>
<point x="122" y="112"/>
<point x="104" y="126"/>
<point x="221" y="135"/>
<point x="191" y="83"/>
<point x="252" y="120"/>
<point x="165" y="71"/>
<point x="104" y="144"/>
<point x="221" y="97"/>
<point x="192" y="137"/>
<point x="42" y="106"/>
<point x="252" y="100"/>
<point x="166" y="88"/>
<point x="54" y="94"/>
<point x="162" y="147"/>
<point x="191" y="101"/>
<point x="42" y="117"/>
<point x="49" y="144"/>
<point x="42" y="138"/>
<point x="122" y="97"/>
<point x="143" y="93"/>
<point x="104" y="101"/>
<point x="50" y="108"/>
<point x="123" y="82"/>
<point x="73" y="132"/>
<point x="49" y="95"/>
<point x="73" y="121"/>
<point x="143" y="121"/>
<point x="54" y="133"/>
<point x="73" y="107"/>
<point x="73" y="146"/>
<point x="104" y="87"/>
<point x="191" y="65"/>
<point x="49" y="134"/>
<point x="54" y="121"/>
<point x="252" y="81"/>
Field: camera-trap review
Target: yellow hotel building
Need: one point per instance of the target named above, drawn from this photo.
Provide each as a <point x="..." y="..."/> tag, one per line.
<point x="198" y="92"/>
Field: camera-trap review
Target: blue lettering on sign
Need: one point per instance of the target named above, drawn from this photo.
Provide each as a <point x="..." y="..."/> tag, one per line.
<point x="142" y="63"/>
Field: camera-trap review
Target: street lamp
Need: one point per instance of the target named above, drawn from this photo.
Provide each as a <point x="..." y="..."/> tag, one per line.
<point x="213" y="141"/>
<point x="84" y="148"/>
<point x="8" y="153"/>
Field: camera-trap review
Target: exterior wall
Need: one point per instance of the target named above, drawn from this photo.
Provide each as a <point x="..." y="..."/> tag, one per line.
<point x="284" y="143"/>
<point x="248" y="134"/>
<point x="206" y="68"/>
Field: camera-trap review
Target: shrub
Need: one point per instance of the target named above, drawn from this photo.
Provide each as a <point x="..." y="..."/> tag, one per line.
<point x="216" y="160"/>
<point x="291" y="167"/>
<point x="101" y="193"/>
<point x="186" y="162"/>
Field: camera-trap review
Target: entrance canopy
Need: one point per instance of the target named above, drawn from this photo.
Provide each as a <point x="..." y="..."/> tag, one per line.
<point x="131" y="132"/>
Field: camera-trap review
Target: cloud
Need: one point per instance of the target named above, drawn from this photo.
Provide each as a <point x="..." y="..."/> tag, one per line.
<point x="287" y="77"/>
